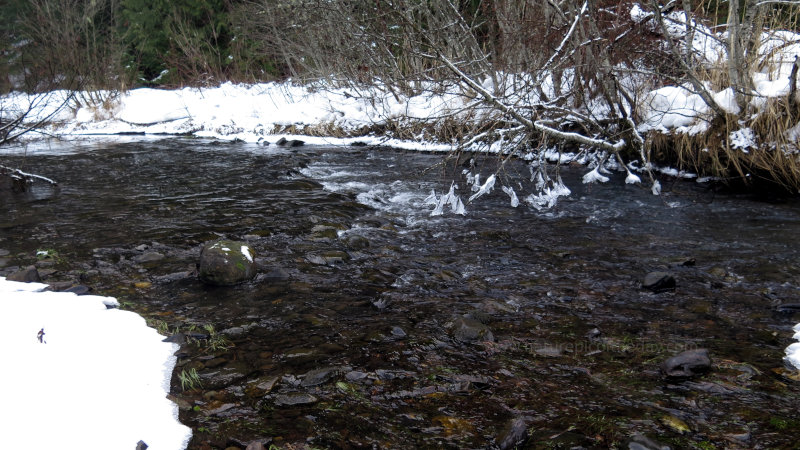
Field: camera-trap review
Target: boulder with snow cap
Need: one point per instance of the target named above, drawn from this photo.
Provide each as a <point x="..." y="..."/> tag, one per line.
<point x="225" y="263"/>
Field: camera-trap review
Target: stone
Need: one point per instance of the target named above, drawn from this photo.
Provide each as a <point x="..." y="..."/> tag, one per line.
<point x="59" y="286"/>
<point x="148" y="257"/>
<point x="257" y="445"/>
<point x="283" y="142"/>
<point x="27" y="275"/>
<point x="264" y="385"/>
<point x="221" y="409"/>
<point x="642" y="442"/>
<point x="355" y="376"/>
<point x="78" y="290"/>
<point x="141" y="445"/>
<point x="398" y="332"/>
<point x="294" y="399"/>
<point x="465" y="329"/>
<point x="226" y="263"/>
<point x="356" y="242"/>
<point x="318" y="376"/>
<point x="177" y="338"/>
<point x="277" y="274"/>
<point x="659" y="281"/>
<point x="687" y="364"/>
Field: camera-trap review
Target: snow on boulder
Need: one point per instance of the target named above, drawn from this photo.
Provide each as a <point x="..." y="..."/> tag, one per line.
<point x="225" y="263"/>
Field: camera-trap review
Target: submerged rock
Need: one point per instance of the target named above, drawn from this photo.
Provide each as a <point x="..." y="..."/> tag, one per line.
<point x="258" y="445"/>
<point x="225" y="263"/>
<point x="295" y="398"/>
<point x="148" y="257"/>
<point x="318" y="376"/>
<point x="642" y="442"/>
<point x="465" y="329"/>
<point x="687" y="364"/>
<point x="659" y="281"/>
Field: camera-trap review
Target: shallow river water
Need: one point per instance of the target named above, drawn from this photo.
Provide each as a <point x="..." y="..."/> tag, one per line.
<point x="373" y="324"/>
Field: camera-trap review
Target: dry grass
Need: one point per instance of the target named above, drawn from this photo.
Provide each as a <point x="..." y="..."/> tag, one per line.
<point x="775" y="161"/>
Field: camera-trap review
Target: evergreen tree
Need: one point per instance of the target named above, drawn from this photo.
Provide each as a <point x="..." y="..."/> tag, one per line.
<point x="181" y="36"/>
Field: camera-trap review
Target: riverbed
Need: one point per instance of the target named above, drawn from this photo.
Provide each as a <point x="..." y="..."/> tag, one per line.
<point x="372" y="323"/>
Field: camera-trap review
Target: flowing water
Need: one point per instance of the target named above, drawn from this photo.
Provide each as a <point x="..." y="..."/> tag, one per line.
<point x="356" y="332"/>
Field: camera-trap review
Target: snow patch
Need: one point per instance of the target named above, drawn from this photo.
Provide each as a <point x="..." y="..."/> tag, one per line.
<point x="99" y="379"/>
<point x="743" y="139"/>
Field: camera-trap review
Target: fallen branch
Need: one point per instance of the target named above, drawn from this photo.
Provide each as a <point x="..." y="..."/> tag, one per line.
<point x="20" y="179"/>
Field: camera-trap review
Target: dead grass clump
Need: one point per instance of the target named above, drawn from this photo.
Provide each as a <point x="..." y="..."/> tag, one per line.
<point x="757" y="153"/>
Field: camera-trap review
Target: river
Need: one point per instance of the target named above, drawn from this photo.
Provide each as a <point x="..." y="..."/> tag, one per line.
<point x="356" y="332"/>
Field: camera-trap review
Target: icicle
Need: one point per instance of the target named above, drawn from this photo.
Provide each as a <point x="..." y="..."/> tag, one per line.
<point x="594" y="176"/>
<point x="487" y="187"/>
<point x="510" y="191"/>
<point x="456" y="205"/>
<point x="431" y="199"/>
<point x="632" y="179"/>
<point x="656" y="188"/>
<point x="548" y="197"/>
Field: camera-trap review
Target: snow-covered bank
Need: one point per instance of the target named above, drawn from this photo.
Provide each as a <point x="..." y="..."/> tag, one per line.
<point x="261" y="113"/>
<point x="98" y="380"/>
<point x="793" y="351"/>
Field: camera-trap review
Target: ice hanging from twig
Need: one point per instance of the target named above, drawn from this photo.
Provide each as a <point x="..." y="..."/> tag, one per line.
<point x="510" y="191"/>
<point x="456" y="205"/>
<point x="486" y="188"/>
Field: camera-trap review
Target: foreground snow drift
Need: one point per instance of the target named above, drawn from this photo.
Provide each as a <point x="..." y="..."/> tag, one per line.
<point x="98" y="380"/>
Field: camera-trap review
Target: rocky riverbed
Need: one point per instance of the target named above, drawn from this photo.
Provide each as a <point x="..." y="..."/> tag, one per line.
<point x="370" y="323"/>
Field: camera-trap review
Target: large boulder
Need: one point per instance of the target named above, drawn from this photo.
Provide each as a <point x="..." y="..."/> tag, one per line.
<point x="225" y="263"/>
<point x="659" y="282"/>
<point x="27" y="275"/>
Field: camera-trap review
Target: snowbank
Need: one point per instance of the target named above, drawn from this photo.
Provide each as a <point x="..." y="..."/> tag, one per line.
<point x="98" y="380"/>
<point x="261" y="113"/>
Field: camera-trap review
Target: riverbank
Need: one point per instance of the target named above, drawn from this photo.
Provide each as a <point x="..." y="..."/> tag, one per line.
<point x="675" y="124"/>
